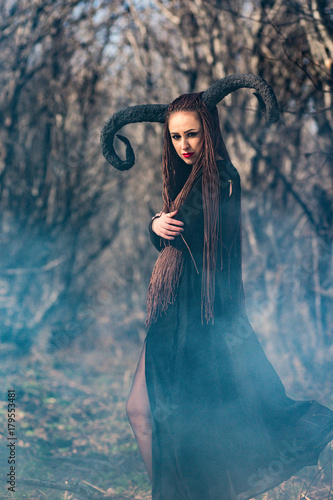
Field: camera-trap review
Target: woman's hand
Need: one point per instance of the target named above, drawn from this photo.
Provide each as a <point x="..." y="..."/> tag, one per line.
<point x="166" y="227"/>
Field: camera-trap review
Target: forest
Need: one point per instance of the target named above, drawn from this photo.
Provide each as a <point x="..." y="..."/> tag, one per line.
<point x="75" y="247"/>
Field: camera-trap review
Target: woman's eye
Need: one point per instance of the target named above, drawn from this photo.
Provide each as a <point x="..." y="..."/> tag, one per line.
<point x="175" y="137"/>
<point x="192" y="134"/>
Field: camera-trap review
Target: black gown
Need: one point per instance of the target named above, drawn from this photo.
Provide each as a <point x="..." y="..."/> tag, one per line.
<point x="223" y="426"/>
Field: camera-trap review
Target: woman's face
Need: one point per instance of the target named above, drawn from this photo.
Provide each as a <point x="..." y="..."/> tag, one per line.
<point x="187" y="135"/>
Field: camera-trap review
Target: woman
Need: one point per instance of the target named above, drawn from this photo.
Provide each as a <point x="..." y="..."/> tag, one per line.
<point x="209" y="412"/>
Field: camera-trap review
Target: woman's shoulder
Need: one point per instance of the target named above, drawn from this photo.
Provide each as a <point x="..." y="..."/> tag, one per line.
<point x="226" y="167"/>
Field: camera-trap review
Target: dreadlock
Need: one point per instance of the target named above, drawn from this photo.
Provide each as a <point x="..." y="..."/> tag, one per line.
<point x="165" y="277"/>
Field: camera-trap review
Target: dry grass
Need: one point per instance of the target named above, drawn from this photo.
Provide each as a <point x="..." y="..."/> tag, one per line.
<point x="72" y="425"/>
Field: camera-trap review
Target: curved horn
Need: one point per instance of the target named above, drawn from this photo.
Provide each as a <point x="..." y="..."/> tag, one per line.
<point x="265" y="94"/>
<point x="132" y="114"/>
<point x="157" y="113"/>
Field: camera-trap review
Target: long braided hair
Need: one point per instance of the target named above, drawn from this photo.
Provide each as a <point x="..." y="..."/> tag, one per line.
<point x="165" y="277"/>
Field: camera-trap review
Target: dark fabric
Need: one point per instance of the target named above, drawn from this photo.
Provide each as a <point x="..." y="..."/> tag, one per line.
<point x="154" y="238"/>
<point x="223" y="426"/>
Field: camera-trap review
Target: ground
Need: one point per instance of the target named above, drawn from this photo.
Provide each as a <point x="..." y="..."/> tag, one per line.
<point x="71" y="425"/>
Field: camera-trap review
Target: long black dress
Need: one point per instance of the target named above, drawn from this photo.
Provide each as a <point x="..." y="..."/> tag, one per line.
<point x="223" y="427"/>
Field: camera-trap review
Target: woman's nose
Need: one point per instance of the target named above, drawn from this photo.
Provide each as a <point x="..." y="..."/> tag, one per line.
<point x="184" y="143"/>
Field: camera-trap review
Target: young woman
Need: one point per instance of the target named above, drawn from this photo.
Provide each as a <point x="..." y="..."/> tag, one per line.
<point x="209" y="412"/>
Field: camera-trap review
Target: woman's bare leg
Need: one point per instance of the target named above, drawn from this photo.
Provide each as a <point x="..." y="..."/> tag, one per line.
<point x="139" y="414"/>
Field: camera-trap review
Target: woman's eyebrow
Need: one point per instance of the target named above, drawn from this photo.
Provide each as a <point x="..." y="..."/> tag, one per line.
<point x="186" y="131"/>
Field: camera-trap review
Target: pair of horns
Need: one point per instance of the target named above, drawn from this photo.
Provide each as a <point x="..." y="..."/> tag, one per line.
<point x="157" y="113"/>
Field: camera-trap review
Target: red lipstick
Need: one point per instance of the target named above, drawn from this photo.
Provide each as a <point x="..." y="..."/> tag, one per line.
<point x="187" y="155"/>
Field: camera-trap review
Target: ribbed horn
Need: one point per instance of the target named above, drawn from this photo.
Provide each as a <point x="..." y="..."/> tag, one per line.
<point x="132" y="114"/>
<point x="157" y="113"/>
<point x="265" y="94"/>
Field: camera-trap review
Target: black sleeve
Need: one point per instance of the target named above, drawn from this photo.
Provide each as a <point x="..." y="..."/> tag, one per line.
<point x="230" y="207"/>
<point x="156" y="240"/>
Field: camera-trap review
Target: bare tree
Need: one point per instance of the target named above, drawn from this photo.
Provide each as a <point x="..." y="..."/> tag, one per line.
<point x="286" y="169"/>
<point x="72" y="223"/>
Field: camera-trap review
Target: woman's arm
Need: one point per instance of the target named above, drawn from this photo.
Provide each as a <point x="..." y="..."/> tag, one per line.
<point x="163" y="229"/>
<point x="190" y="214"/>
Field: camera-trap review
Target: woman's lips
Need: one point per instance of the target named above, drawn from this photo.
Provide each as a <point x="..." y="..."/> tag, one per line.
<point x="187" y="155"/>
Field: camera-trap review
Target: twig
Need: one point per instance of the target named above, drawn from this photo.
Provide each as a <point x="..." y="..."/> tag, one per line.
<point x="81" y="488"/>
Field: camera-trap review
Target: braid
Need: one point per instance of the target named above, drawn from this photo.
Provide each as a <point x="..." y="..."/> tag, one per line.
<point x="168" y="267"/>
